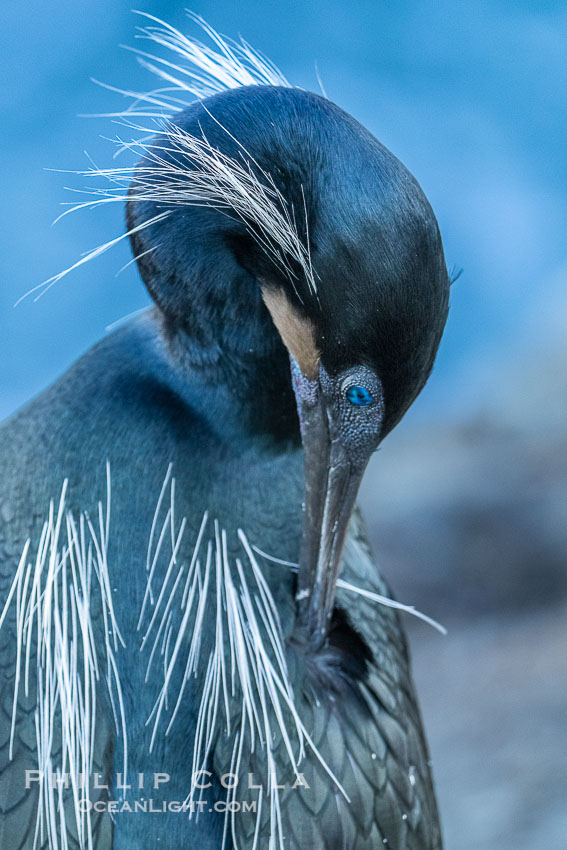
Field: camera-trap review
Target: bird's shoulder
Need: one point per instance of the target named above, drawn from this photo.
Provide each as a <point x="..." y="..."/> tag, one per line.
<point x="116" y="403"/>
<point x="123" y="379"/>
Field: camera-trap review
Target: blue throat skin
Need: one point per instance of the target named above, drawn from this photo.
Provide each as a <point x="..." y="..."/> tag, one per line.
<point x="202" y="382"/>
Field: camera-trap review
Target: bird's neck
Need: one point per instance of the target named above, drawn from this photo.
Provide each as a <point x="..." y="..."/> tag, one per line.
<point x="240" y="394"/>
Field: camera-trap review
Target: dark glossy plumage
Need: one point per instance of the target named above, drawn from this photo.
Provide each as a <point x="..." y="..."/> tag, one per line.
<point x="202" y="382"/>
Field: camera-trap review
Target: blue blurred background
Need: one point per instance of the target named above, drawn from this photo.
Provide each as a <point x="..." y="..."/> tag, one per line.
<point x="467" y="503"/>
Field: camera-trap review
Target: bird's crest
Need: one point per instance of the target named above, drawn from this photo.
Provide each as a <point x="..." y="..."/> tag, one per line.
<point x="236" y="185"/>
<point x="193" y="70"/>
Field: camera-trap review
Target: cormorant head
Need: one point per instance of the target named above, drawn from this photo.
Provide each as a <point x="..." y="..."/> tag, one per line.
<point x="275" y="198"/>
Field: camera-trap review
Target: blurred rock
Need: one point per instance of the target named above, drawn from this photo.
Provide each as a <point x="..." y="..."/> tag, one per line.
<point x="469" y="523"/>
<point x="493" y="698"/>
<point x="471" y="518"/>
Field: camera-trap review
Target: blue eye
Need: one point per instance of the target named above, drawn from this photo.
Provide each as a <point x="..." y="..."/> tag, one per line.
<point x="359" y="396"/>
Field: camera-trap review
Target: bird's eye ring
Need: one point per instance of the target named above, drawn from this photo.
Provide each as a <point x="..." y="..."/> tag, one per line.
<point x="358" y="395"/>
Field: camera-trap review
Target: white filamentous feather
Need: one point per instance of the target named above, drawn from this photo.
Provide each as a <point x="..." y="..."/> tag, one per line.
<point x="53" y="613"/>
<point x="235" y="185"/>
<point x="44" y="287"/>
<point x="361" y="591"/>
<point x="180" y="169"/>
<point x="245" y="669"/>
<point x="245" y="673"/>
<point x="200" y="70"/>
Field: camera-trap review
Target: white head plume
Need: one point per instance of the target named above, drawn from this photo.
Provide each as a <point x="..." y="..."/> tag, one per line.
<point x="194" y="70"/>
<point x="236" y="185"/>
